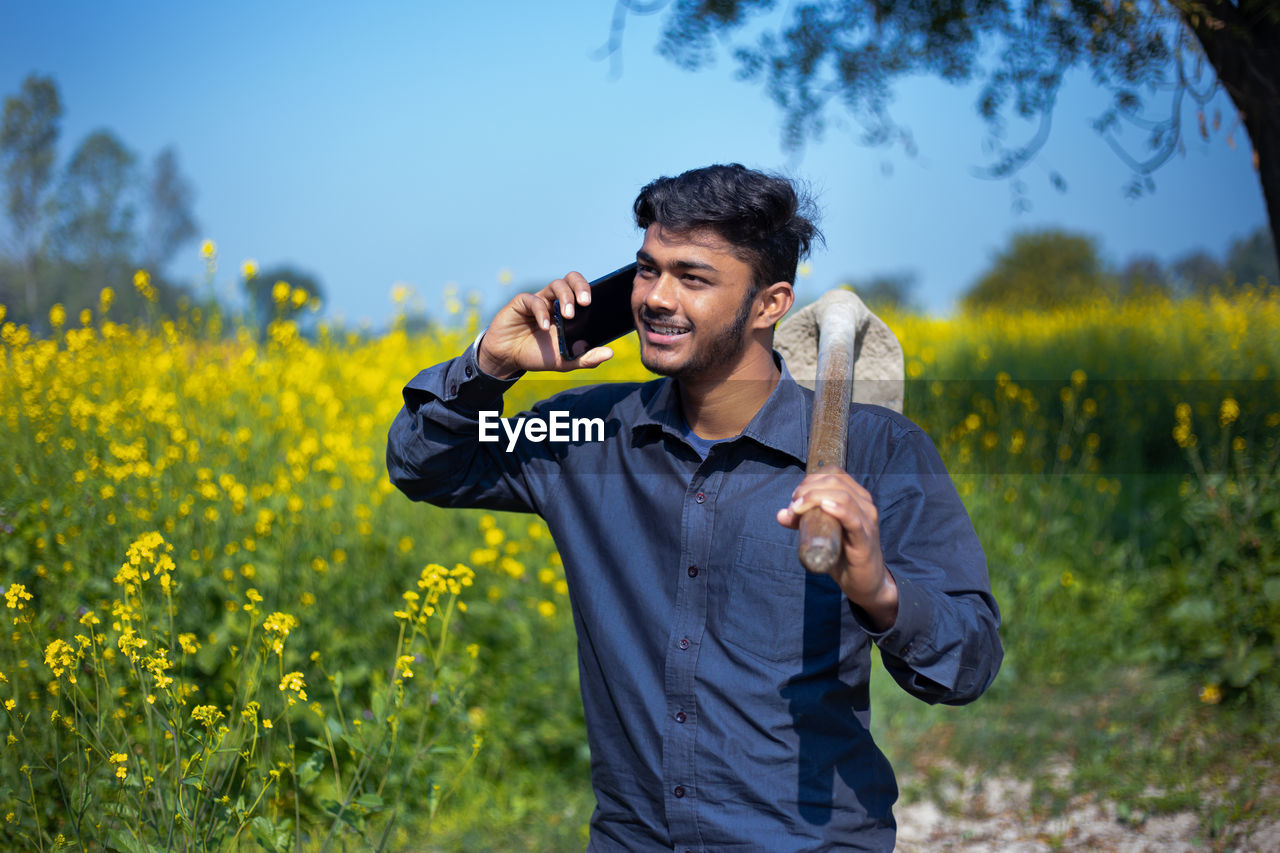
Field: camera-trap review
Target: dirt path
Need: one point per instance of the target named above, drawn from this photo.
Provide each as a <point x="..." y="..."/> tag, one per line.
<point x="996" y="816"/>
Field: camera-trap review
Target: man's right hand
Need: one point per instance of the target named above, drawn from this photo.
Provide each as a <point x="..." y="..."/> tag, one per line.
<point x="522" y="334"/>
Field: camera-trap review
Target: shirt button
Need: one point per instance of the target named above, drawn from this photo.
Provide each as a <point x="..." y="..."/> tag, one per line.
<point x="453" y="389"/>
<point x="679" y="791"/>
<point x="468" y="371"/>
<point x="681" y="716"/>
<point x="693" y="571"/>
<point x="699" y="497"/>
<point x="684" y="642"/>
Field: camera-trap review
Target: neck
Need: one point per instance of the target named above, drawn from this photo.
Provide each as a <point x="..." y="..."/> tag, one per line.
<point x="721" y="405"/>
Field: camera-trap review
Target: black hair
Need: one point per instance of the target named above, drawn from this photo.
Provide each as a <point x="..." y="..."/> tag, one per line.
<point x="762" y="216"/>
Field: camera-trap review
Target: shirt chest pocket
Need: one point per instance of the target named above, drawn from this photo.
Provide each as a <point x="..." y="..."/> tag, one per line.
<point x="776" y="610"/>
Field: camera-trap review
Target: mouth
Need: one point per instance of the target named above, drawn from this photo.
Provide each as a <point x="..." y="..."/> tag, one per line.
<point x="664" y="329"/>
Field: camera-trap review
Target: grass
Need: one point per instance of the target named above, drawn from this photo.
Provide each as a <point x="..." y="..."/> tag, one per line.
<point x="1141" y="740"/>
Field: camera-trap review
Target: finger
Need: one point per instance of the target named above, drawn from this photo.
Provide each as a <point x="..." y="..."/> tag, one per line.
<point x="591" y="358"/>
<point x="787" y="518"/>
<point x="834" y="479"/>
<point x="563" y="292"/>
<point x="831" y="474"/>
<point x="822" y="481"/>
<point x="532" y="305"/>
<point x="581" y="287"/>
<point x="824" y="498"/>
<point x="859" y="526"/>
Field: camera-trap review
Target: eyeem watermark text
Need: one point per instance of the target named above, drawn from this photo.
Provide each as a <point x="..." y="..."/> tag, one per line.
<point x="557" y="426"/>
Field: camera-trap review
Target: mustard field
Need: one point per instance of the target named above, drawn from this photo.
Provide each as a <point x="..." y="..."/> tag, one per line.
<point x="226" y="629"/>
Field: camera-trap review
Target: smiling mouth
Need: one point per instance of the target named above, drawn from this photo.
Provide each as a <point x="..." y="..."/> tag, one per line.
<point x="665" y="327"/>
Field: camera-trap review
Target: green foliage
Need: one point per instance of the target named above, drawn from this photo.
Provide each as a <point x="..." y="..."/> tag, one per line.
<point x="161" y="736"/>
<point x="1042" y="270"/>
<point x="261" y="464"/>
<point x="1219" y="599"/>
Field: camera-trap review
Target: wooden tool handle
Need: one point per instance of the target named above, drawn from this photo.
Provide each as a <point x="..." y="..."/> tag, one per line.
<point x="820" y="534"/>
<point x="820" y="541"/>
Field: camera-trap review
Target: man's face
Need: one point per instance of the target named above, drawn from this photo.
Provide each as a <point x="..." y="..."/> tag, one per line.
<point x="691" y="301"/>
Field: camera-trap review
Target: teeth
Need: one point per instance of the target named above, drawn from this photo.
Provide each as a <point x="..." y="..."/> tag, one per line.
<point x="664" y="329"/>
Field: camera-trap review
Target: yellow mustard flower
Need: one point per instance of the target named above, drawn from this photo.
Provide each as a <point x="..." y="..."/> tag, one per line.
<point x="294" y="683"/>
<point x="1229" y="411"/>
<point x="207" y="715"/>
<point x="16" y="596"/>
<point x="277" y="627"/>
<point x="60" y="657"/>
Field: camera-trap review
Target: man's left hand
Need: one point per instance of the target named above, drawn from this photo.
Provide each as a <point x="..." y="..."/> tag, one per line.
<point x="861" y="571"/>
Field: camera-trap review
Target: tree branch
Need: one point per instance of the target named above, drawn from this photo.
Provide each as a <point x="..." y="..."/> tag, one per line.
<point x="612" y="48"/>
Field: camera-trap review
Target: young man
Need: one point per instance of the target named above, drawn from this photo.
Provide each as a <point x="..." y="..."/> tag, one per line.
<point x="725" y="689"/>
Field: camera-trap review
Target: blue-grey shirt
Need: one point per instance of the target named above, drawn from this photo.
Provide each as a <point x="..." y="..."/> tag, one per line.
<point x="725" y="689"/>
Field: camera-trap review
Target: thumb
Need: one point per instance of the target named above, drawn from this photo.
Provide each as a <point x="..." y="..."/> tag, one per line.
<point x="592" y="358"/>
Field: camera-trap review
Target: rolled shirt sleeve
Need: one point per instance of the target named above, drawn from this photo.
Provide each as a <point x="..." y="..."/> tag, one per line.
<point x="945" y="645"/>
<point x="433" y="451"/>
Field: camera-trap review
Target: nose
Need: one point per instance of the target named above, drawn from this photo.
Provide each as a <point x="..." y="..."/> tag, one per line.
<point x="661" y="296"/>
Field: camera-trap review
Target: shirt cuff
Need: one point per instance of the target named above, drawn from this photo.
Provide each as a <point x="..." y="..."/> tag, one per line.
<point x="910" y="630"/>
<point x="475" y="348"/>
<point x="459" y="382"/>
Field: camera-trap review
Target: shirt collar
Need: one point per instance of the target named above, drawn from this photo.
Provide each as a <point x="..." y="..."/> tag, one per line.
<point x="781" y="424"/>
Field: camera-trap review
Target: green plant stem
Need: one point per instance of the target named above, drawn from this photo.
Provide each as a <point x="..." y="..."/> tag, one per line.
<point x="252" y="809"/>
<point x="293" y="772"/>
<point x="39" y="831"/>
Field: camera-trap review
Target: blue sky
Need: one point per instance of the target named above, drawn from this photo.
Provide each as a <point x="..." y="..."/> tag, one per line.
<point x="433" y="143"/>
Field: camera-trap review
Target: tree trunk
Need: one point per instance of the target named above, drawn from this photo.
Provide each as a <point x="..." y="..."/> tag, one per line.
<point x="1243" y="45"/>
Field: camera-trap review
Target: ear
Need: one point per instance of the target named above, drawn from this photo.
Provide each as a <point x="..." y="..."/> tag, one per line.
<point x="772" y="303"/>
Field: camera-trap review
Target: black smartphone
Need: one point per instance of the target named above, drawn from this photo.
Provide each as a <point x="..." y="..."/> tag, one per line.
<point x="606" y="319"/>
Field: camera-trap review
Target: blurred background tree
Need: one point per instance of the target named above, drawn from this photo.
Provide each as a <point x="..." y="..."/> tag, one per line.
<point x="891" y="291"/>
<point x="1143" y="275"/>
<point x="1042" y="270"/>
<point x="169" y="200"/>
<point x="95" y="209"/>
<point x="75" y="231"/>
<point x="282" y="292"/>
<point x="1252" y="260"/>
<point x="852" y="51"/>
<point x="28" y="147"/>
<point x="1051" y="268"/>
<point x="1197" y="272"/>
